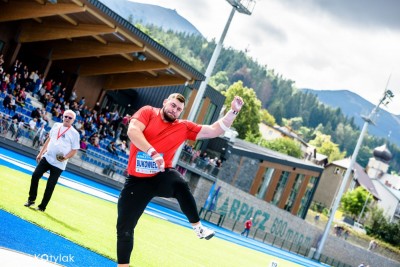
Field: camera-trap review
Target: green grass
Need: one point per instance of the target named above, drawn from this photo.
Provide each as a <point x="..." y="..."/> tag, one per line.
<point x="90" y="222"/>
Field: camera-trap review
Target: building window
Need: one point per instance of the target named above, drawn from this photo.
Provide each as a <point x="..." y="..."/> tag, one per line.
<point x="279" y="188"/>
<point x="305" y="201"/>
<point x="294" y="192"/>
<point x="266" y="179"/>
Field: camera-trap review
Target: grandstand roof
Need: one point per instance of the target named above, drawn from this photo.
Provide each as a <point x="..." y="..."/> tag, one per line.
<point x="89" y="39"/>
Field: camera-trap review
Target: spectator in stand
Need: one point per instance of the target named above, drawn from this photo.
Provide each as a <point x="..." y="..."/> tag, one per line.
<point x="122" y="146"/>
<point x="97" y="107"/>
<point x="79" y="127"/>
<point x="38" y="85"/>
<point x="110" y="169"/>
<point x="83" y="144"/>
<point x="48" y="85"/>
<point x="204" y="156"/>
<point x="7" y="104"/>
<point x="32" y="127"/>
<point x="40" y="137"/>
<point x="81" y="102"/>
<point x="14" y="128"/>
<point x="117" y="133"/>
<point x="84" y="111"/>
<point x="218" y="163"/>
<point x="20" y="131"/>
<point x="94" y="140"/>
<point x="3" y="127"/>
<point x="195" y="155"/>
<point x="112" y="149"/>
<point x="45" y="117"/>
<point x="73" y="96"/>
<point x="36" y="113"/>
<point x="19" y="100"/>
<point x="126" y="119"/>
<point x="17" y="116"/>
<point x="56" y="88"/>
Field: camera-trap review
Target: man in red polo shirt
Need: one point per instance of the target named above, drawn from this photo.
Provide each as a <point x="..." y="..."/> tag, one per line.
<point x="156" y="134"/>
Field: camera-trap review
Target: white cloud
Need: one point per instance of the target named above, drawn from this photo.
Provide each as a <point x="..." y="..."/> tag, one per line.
<point x="320" y="47"/>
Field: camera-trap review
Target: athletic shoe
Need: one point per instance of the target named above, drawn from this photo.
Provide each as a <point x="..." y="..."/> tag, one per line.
<point x="204" y="232"/>
<point x="29" y="203"/>
<point x="39" y="209"/>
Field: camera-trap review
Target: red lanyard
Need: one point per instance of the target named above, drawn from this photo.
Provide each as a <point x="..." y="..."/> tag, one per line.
<point x="59" y="135"/>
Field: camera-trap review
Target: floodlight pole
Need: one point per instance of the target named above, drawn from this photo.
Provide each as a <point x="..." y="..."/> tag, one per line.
<point x="236" y="6"/>
<point x="387" y="96"/>
<point x="363" y="208"/>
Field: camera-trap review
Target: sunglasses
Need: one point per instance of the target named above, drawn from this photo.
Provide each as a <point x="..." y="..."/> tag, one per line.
<point x="68" y="117"/>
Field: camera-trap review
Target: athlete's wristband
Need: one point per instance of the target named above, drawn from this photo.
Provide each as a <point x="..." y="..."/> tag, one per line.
<point x="234" y="112"/>
<point x="151" y="152"/>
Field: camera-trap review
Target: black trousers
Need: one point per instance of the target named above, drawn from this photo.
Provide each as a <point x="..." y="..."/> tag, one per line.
<point x="41" y="168"/>
<point x="135" y="196"/>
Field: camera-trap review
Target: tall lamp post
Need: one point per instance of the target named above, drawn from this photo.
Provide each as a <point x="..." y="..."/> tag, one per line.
<point x="387" y="96"/>
<point x="363" y="208"/>
<point x="242" y="6"/>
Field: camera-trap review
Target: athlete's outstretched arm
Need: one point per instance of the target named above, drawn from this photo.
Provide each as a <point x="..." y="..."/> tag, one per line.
<point x="223" y="124"/>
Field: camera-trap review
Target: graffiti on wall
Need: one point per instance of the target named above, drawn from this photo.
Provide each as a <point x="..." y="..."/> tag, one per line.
<point x="240" y="211"/>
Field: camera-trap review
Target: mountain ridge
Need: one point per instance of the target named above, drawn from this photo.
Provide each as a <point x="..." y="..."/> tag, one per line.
<point x="166" y="18"/>
<point x="353" y="105"/>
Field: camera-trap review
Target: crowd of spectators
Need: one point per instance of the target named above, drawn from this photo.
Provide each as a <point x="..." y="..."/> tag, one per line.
<point x="201" y="160"/>
<point x="93" y="124"/>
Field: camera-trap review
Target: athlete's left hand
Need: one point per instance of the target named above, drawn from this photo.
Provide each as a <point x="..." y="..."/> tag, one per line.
<point x="237" y="103"/>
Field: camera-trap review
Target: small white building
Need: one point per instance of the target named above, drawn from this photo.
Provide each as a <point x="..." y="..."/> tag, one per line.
<point x="387" y="185"/>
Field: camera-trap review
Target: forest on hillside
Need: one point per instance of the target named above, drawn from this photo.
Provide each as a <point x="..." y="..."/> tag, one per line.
<point x="304" y="113"/>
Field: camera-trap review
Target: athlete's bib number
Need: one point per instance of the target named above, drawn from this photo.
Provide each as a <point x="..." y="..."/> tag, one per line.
<point x="145" y="164"/>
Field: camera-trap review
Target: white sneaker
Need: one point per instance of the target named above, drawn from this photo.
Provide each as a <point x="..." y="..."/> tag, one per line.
<point x="204" y="232"/>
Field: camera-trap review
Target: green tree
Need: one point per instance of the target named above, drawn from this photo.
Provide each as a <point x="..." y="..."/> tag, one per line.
<point x="293" y="123"/>
<point x="326" y="147"/>
<point x="286" y="146"/>
<point x="267" y="117"/>
<point x="353" y="201"/>
<point x="220" y="81"/>
<point x="379" y="226"/>
<point x="306" y="133"/>
<point x="249" y="117"/>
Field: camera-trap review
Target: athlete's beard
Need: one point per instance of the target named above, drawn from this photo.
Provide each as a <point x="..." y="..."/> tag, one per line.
<point x="166" y="116"/>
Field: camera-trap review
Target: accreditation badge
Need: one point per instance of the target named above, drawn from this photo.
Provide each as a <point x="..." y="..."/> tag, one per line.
<point x="145" y="164"/>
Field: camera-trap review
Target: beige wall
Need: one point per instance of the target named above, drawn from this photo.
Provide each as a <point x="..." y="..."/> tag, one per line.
<point x="329" y="184"/>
